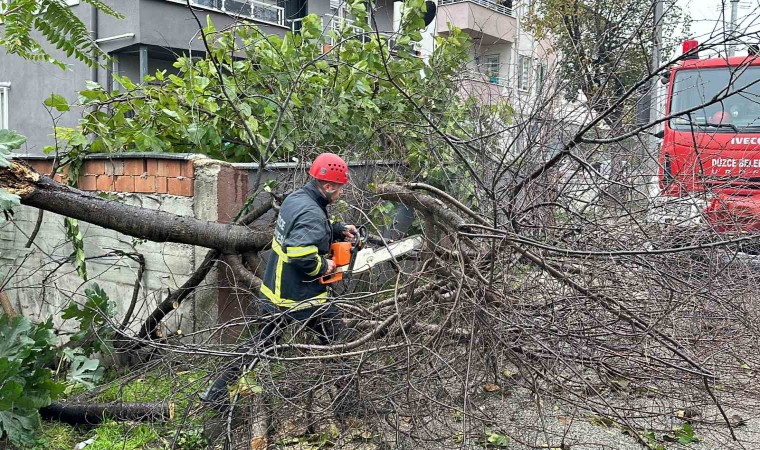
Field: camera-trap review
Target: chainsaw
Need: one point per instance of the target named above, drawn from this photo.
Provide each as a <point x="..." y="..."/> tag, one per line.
<point x="354" y="257"/>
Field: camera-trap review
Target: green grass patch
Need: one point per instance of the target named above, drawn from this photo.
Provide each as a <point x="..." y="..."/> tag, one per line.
<point x="57" y="436"/>
<point x="180" y="388"/>
<point x="113" y="435"/>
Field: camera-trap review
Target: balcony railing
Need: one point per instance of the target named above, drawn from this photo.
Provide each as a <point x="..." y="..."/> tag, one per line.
<point x="341" y="24"/>
<point x="493" y="6"/>
<point x="252" y="9"/>
<point x="335" y="23"/>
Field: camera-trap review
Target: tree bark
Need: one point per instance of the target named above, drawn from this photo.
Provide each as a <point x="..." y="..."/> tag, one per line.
<point x="41" y="192"/>
<point x="5" y="302"/>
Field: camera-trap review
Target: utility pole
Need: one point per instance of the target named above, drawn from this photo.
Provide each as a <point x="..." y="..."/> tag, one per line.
<point x="656" y="59"/>
<point x="732" y="25"/>
<point x="649" y="158"/>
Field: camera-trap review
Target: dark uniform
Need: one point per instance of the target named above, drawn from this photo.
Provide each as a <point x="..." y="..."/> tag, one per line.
<point x="302" y="237"/>
<point x="291" y="290"/>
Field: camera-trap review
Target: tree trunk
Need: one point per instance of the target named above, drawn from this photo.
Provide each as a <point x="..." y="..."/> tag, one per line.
<point x="5" y="302"/>
<point x="158" y="226"/>
<point x="95" y="413"/>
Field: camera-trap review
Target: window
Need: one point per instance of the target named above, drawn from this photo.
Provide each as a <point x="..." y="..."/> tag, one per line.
<point x="540" y="75"/>
<point x="738" y="112"/>
<point x="489" y="66"/>
<point x="4" y="88"/>
<point x="523" y="73"/>
<point x="264" y="10"/>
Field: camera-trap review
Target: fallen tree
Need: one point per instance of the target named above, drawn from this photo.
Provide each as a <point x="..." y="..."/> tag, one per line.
<point x="95" y="413"/>
<point x="537" y="295"/>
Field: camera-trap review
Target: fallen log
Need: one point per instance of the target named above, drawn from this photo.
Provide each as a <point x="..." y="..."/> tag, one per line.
<point x="95" y="413"/>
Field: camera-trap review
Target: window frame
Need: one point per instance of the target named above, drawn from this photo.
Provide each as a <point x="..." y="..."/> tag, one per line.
<point x="5" y="88"/>
<point x="223" y="10"/>
<point x="541" y="69"/>
<point x="524" y="65"/>
<point x="490" y="67"/>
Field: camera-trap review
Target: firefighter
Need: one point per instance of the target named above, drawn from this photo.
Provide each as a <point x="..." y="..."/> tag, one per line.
<point x="290" y="291"/>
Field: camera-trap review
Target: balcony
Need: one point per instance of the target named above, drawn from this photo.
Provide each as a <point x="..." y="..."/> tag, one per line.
<point x="493" y="6"/>
<point x="348" y="29"/>
<point x="486" y="90"/>
<point x="250" y="9"/>
<point x="489" y="21"/>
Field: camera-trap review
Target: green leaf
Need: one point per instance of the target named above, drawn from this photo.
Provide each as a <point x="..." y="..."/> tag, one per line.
<point x="8" y="200"/>
<point x="125" y="82"/>
<point x="93" y="85"/>
<point x="311" y="26"/>
<point x="498" y="440"/>
<point x="172" y="114"/>
<point x="9" y="141"/>
<point x="685" y="435"/>
<point x="25" y="351"/>
<point x="57" y="102"/>
<point x="19" y="426"/>
<point x="85" y="371"/>
<point x="77" y="241"/>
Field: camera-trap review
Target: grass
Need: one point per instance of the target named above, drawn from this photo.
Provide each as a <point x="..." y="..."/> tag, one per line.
<point x="57" y="436"/>
<point x="112" y="435"/>
<point x="180" y="389"/>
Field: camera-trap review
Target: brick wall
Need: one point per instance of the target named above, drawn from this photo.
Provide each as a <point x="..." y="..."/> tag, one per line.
<point x="153" y="174"/>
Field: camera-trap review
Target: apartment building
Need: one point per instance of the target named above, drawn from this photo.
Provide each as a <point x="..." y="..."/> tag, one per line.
<point x="507" y="63"/>
<point x="149" y="37"/>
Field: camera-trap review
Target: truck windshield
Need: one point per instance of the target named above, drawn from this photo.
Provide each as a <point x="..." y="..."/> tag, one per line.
<point x="738" y="112"/>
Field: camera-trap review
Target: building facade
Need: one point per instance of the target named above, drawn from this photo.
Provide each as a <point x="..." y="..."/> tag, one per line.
<point x="149" y="37"/>
<point x="506" y="62"/>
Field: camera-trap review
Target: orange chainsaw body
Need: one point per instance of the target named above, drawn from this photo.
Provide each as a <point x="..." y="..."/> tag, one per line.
<point x="340" y="253"/>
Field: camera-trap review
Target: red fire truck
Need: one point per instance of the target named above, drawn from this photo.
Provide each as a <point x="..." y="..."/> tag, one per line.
<point x="710" y="154"/>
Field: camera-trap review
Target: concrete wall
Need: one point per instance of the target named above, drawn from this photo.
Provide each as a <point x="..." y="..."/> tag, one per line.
<point x="40" y="282"/>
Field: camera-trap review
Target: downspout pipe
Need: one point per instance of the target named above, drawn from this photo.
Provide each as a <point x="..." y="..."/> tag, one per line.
<point x="94" y="35"/>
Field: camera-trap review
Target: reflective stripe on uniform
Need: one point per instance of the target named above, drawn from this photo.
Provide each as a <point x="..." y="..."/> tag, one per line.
<point x="293" y="252"/>
<point x="282" y="258"/>
<point x="319" y="266"/>
<point x="292" y="304"/>
<point x="298" y="252"/>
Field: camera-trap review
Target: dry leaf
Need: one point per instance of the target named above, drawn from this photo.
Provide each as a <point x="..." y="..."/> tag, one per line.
<point x="259" y="443"/>
<point x="565" y="420"/>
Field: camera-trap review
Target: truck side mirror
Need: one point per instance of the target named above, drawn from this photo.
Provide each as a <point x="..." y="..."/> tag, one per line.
<point x="660" y="134"/>
<point x="665" y="77"/>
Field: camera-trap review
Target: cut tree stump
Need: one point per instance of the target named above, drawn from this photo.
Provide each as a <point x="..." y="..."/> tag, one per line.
<point x="95" y="413"/>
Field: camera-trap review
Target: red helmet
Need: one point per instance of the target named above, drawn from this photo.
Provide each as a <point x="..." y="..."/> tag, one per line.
<point x="330" y="167"/>
<point x="720" y="118"/>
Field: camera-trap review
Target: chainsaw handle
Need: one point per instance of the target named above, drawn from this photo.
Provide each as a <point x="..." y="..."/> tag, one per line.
<point x="361" y="238"/>
<point x="331" y="278"/>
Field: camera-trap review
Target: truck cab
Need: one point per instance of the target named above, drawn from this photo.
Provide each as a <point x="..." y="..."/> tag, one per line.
<point x="709" y="160"/>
